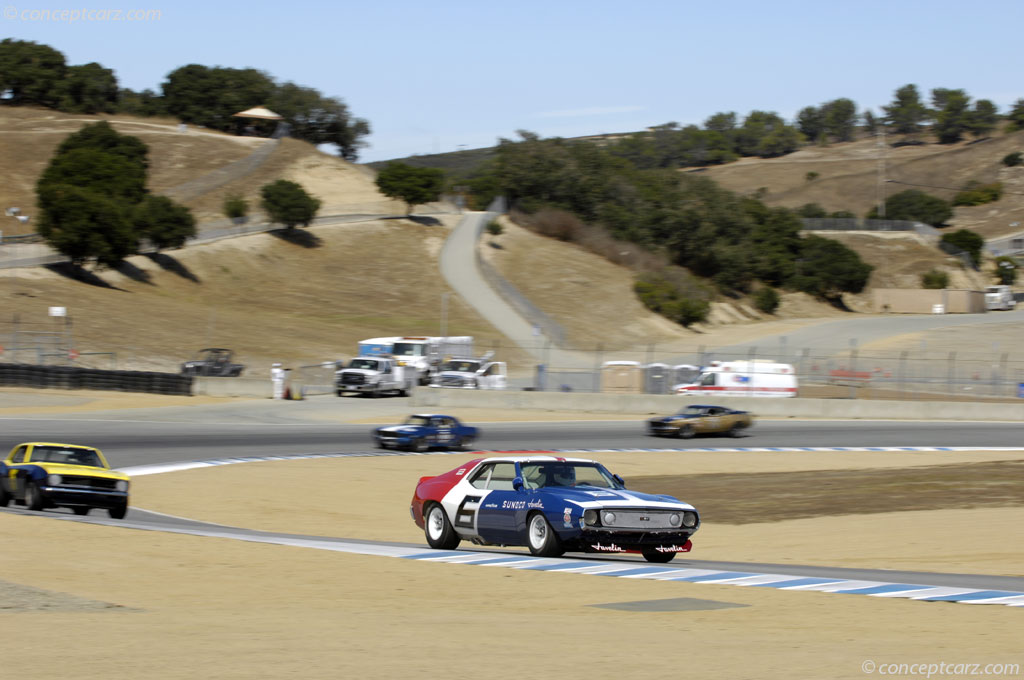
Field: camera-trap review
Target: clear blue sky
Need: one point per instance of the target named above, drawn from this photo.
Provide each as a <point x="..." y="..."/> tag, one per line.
<point x="433" y="76"/>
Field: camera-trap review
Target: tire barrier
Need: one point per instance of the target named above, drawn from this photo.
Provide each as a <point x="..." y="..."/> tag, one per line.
<point x="73" y="378"/>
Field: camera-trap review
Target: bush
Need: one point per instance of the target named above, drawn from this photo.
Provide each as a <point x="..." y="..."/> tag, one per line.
<point x="811" y="210"/>
<point x="917" y="206"/>
<point x="163" y="222"/>
<point x="494" y="228"/>
<point x="968" y="241"/>
<point x="766" y="300"/>
<point x="811" y="176"/>
<point x="843" y="214"/>
<point x="976" y="193"/>
<point x="288" y="203"/>
<point x="935" y="279"/>
<point x="235" y="206"/>
<point x="1006" y="270"/>
<point x="661" y="294"/>
<point x="1012" y="159"/>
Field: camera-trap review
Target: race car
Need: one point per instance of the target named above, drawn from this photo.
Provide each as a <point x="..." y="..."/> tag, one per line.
<point x="43" y="475"/>
<point x="423" y="431"/>
<point x="551" y="505"/>
<point x="700" y="419"/>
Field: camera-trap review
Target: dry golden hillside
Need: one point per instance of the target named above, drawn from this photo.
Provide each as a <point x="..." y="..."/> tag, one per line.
<point x="848" y="173"/>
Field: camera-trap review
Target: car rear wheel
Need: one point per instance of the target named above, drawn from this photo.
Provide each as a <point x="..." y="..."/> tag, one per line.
<point x="118" y="512"/>
<point x="686" y="432"/>
<point x="439" y="531"/>
<point x="736" y="430"/>
<point x="420" y="445"/>
<point x="652" y="555"/>
<point x="5" y="497"/>
<point x="80" y="509"/>
<point x="33" y="497"/>
<point x="541" y="538"/>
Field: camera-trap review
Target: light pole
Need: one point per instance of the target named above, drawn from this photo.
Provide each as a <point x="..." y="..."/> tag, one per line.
<point x="444" y="314"/>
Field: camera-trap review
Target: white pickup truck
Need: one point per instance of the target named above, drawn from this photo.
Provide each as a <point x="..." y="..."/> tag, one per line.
<point x="472" y="374"/>
<point x="999" y="297"/>
<point x="374" y="376"/>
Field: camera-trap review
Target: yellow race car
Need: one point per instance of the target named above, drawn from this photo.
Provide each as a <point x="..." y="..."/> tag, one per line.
<point x="44" y="475"/>
<point x="700" y="419"/>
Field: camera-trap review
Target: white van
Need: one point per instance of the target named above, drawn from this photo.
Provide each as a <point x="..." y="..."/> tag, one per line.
<point x="743" y="379"/>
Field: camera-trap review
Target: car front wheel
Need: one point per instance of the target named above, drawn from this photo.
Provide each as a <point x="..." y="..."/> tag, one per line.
<point x="439" y="531"/>
<point x="686" y="432"/>
<point x="420" y="445"/>
<point x="541" y="538"/>
<point x="652" y="555"/>
<point x="33" y="497"/>
<point x="80" y="509"/>
<point x="118" y="512"/>
<point x="5" y="497"/>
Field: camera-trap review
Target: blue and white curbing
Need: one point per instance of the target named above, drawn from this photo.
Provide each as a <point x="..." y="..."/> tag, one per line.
<point x="909" y="591"/>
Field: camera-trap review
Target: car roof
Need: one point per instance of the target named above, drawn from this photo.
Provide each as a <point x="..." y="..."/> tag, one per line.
<point x="535" y="459"/>
<point x="65" y="446"/>
<point x="430" y="415"/>
<point x="704" y="406"/>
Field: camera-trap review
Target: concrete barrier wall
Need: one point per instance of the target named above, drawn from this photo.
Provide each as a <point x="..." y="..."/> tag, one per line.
<point x="653" y="404"/>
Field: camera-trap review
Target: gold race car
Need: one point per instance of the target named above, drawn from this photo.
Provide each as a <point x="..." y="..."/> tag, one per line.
<point x="43" y="475"/>
<point x="700" y="419"/>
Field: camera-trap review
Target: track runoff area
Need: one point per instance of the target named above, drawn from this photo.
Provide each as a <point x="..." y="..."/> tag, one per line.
<point x="617" y="569"/>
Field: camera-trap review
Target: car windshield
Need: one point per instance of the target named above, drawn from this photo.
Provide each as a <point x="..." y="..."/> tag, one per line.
<point x="409" y="349"/>
<point x="548" y="474"/>
<point x="461" y="366"/>
<point x="693" y="411"/>
<point x="53" y="454"/>
<point x="417" y="420"/>
<point x="365" y="364"/>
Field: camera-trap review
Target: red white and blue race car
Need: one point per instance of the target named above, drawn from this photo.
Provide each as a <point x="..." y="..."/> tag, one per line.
<point x="551" y="505"/>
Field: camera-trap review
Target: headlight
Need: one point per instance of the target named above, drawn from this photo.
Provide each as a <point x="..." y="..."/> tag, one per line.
<point x="590" y="517"/>
<point x="53" y="480"/>
<point x="689" y="519"/>
<point x="121" y="485"/>
<point x="674" y="519"/>
<point x="608" y="518"/>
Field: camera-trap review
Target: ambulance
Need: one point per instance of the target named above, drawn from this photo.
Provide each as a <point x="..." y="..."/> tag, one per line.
<point x="742" y="379"/>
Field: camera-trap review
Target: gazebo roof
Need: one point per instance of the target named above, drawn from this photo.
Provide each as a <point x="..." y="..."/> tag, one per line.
<point x="259" y="112"/>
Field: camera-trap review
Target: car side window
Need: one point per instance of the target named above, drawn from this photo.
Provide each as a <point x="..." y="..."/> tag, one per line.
<point x="479" y="479"/>
<point x="502" y="476"/>
<point x="19" y="455"/>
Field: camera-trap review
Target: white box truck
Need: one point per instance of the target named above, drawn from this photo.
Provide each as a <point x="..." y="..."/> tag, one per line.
<point x="742" y="379"/>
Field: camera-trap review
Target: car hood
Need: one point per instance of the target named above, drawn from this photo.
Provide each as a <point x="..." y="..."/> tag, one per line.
<point x="361" y="371"/>
<point x="457" y="374"/>
<point x="401" y="429"/>
<point x="594" y="497"/>
<point x="80" y="471"/>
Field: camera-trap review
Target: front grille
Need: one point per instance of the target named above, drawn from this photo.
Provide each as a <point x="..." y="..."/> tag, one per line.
<point x="352" y="379"/>
<point x="88" y="482"/>
<point x="642" y="519"/>
<point x="451" y="381"/>
<point x="388" y="435"/>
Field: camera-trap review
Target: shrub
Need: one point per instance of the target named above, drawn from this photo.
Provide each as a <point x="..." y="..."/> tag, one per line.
<point x="843" y="214"/>
<point x="766" y="300"/>
<point x="1012" y="159"/>
<point x="235" y="206"/>
<point x="1006" y="270"/>
<point x="811" y="210"/>
<point x="494" y="228"/>
<point x="968" y="241"/>
<point x="811" y="176"/>
<point x="660" y="293"/>
<point x="935" y="279"/>
<point x="916" y="206"/>
<point x="976" y="193"/>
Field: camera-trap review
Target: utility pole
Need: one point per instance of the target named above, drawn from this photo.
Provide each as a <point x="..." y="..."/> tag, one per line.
<point x="881" y="172"/>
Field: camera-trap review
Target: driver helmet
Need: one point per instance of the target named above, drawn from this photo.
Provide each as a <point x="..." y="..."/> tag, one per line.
<point x="563" y="475"/>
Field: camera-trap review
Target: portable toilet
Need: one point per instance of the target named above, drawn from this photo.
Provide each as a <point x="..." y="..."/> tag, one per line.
<point x="656" y="378"/>
<point x="623" y="377"/>
<point x="685" y="374"/>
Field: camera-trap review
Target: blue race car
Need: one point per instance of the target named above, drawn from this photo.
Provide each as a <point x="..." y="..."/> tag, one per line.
<point x="551" y="505"/>
<point x="423" y="431"/>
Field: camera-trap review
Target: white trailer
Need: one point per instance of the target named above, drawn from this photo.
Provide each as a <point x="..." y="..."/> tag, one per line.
<point x="742" y="379"/>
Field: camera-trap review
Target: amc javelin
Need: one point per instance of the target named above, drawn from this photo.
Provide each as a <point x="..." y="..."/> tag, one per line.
<point x="551" y="505"/>
<point x="41" y="475"/>
<point x="700" y="419"/>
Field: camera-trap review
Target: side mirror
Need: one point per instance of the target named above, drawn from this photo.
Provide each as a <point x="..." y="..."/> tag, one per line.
<point x="620" y="480"/>
<point x="517" y="484"/>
